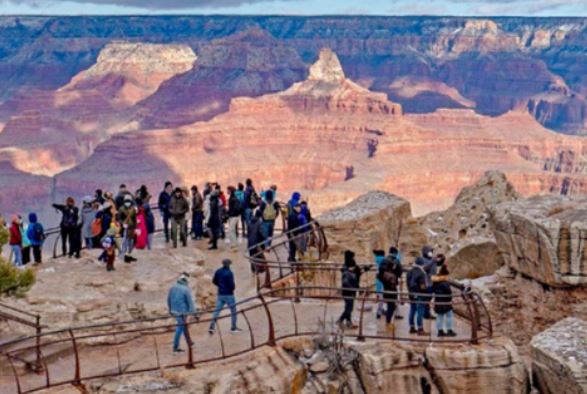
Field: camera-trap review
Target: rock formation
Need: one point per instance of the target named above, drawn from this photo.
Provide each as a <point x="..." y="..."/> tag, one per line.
<point x="541" y="237"/>
<point x="463" y="232"/>
<point x="372" y="221"/>
<point x="53" y="131"/>
<point x="559" y="358"/>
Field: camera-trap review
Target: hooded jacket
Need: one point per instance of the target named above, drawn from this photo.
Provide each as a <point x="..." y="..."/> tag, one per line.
<point x="224" y="280"/>
<point x="295" y="199"/>
<point x="35" y="231"/>
<point x="442" y="294"/>
<point x="429" y="264"/>
<point x="417" y="278"/>
<point x="254" y="233"/>
<point x="351" y="275"/>
<point x="15" y="235"/>
<point x="180" y="300"/>
<point x="178" y="207"/>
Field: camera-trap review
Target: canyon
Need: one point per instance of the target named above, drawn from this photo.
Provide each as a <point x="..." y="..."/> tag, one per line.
<point x="329" y="106"/>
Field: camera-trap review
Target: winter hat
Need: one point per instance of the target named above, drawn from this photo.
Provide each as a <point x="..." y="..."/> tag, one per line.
<point x="226" y="263"/>
<point x="393" y="251"/>
<point x="296" y="196"/>
<point x="128" y="197"/>
<point x="183" y="278"/>
<point x="269" y="195"/>
<point x="379" y="252"/>
<point x="107" y="243"/>
<point x="87" y="199"/>
<point x="349" y="258"/>
<point x="427" y="249"/>
<point x="32" y="217"/>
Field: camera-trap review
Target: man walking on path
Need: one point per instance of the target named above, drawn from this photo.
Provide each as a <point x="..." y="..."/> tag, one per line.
<point x="178" y="208"/>
<point x="181" y="303"/>
<point x="224" y="281"/>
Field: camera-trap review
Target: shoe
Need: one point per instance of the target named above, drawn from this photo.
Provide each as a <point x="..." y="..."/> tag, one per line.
<point x="351" y="326"/>
<point x="211" y="331"/>
<point x="213" y="248"/>
<point x="451" y="333"/>
<point x="127" y="259"/>
<point x="422" y="333"/>
<point x="178" y="351"/>
<point x="235" y="330"/>
<point x="398" y="317"/>
<point x="413" y="330"/>
<point x="441" y="333"/>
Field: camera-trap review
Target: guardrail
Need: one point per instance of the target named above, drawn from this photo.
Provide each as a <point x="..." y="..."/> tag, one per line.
<point x="31" y="320"/>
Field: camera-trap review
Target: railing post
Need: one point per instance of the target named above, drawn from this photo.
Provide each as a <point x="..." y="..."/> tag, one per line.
<point x="297" y="276"/>
<point x="474" y="336"/>
<point x="77" y="379"/>
<point x="271" y="338"/>
<point x="186" y="329"/>
<point x="361" y="336"/>
<point x="38" y="341"/>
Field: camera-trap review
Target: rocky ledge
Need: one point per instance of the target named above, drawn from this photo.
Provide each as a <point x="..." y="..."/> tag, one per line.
<point x="559" y="358"/>
<point x="371" y="221"/>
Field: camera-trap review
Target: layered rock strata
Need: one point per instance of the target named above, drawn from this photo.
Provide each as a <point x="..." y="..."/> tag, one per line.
<point x="559" y="358"/>
<point x="543" y="238"/>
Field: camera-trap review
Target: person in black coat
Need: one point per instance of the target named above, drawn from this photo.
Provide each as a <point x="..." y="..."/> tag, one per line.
<point x="214" y="222"/>
<point x="389" y="273"/>
<point x="70" y="227"/>
<point x="351" y="278"/>
<point x="255" y="240"/>
<point x="443" y="303"/>
<point x="293" y="223"/>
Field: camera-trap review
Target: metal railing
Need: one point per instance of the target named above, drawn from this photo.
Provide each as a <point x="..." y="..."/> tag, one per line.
<point x="25" y="318"/>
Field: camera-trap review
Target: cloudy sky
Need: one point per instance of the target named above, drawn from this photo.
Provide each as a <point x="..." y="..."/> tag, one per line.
<point x="300" y="7"/>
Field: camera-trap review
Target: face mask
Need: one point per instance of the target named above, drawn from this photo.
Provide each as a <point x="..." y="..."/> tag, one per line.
<point x="127" y="204"/>
<point x="430" y="254"/>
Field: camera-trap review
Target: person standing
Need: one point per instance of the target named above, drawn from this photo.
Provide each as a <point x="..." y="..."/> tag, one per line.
<point x="164" y="198"/>
<point x="178" y="208"/>
<point x="389" y="274"/>
<point x="443" y="303"/>
<point x="69" y="227"/>
<point x="430" y="268"/>
<point x="214" y="222"/>
<point x="255" y="241"/>
<point x="417" y="287"/>
<point x="88" y="217"/>
<point x="224" y="281"/>
<point x="379" y="258"/>
<point x="26" y="242"/>
<point x="197" y="214"/>
<point x="234" y="215"/>
<point x="128" y="218"/>
<point x="251" y="200"/>
<point x="270" y="210"/>
<point x="36" y="235"/>
<point x="292" y="231"/>
<point x="121" y="196"/>
<point x="240" y="194"/>
<point x="180" y="303"/>
<point x="142" y="235"/>
<point x="150" y="222"/>
<point x="15" y="241"/>
<point x="351" y="278"/>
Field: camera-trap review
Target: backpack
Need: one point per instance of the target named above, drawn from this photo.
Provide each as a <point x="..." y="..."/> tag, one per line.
<point x="254" y="199"/>
<point x="270" y="212"/>
<point x="389" y="280"/>
<point x="38" y="233"/>
<point x="348" y="280"/>
<point x="97" y="227"/>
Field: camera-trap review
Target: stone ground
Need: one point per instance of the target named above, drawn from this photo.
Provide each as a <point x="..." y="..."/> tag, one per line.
<point x="72" y="292"/>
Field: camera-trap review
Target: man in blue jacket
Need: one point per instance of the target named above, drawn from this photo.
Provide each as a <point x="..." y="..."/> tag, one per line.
<point x="181" y="303"/>
<point x="224" y="281"/>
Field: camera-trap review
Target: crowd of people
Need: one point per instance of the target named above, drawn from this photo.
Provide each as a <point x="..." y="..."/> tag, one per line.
<point x="427" y="283"/>
<point x="25" y="239"/>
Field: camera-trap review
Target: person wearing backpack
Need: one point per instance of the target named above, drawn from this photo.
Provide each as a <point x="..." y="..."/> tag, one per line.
<point x="36" y="235"/>
<point x="389" y="274"/>
<point x="443" y="302"/>
<point x="240" y="194"/>
<point x="234" y="216"/>
<point x="351" y="278"/>
<point x="379" y="258"/>
<point x="70" y="230"/>
<point x="270" y="209"/>
<point x="417" y="287"/>
<point x="251" y="200"/>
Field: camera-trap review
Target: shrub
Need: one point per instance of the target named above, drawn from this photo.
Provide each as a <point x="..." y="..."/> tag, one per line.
<point x="14" y="281"/>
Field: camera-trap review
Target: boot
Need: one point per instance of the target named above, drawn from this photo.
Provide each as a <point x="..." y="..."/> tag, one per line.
<point x="422" y="333"/>
<point x="127" y="259"/>
<point x="390" y="328"/>
<point x="441" y="333"/>
<point x="412" y="330"/>
<point x="451" y="333"/>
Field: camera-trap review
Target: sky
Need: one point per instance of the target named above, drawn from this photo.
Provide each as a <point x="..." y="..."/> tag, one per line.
<point x="298" y="7"/>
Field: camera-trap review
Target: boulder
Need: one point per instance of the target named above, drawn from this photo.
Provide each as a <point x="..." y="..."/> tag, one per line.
<point x="559" y="358"/>
<point x="543" y="238"/>
<point x="371" y="221"/>
<point x="463" y="232"/>
<point x="494" y="366"/>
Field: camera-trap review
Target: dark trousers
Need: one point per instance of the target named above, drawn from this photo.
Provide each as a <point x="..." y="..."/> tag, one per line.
<point x="293" y="248"/>
<point x="214" y="234"/>
<point x="198" y="224"/>
<point x="349" y="304"/>
<point x="70" y="236"/>
<point x="26" y="255"/>
<point x="37" y="254"/>
<point x="166" y="227"/>
<point x="390" y="310"/>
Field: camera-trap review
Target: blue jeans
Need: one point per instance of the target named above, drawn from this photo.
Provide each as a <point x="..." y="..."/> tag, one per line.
<point x="221" y="301"/>
<point x="17" y="255"/>
<point x="198" y="224"/>
<point x="248" y="215"/>
<point x="179" y="330"/>
<point x="267" y="228"/>
<point x="441" y="318"/>
<point x="417" y="309"/>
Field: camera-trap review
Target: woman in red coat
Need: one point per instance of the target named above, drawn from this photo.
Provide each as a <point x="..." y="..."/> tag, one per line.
<point x="141" y="231"/>
<point x="16" y="240"/>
